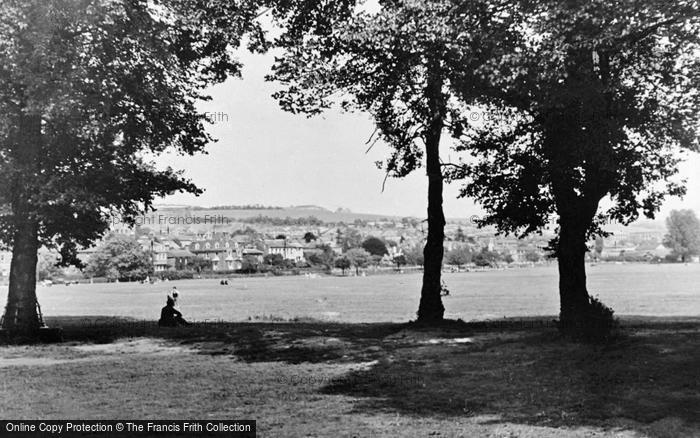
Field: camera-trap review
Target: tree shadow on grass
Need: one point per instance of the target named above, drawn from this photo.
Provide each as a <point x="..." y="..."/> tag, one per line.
<point x="509" y="373"/>
<point x="538" y="378"/>
<point x="292" y="342"/>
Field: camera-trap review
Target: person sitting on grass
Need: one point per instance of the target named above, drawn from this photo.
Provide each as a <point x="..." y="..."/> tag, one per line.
<point x="170" y="316"/>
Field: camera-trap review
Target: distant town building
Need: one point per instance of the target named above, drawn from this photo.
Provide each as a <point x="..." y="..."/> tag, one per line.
<point x="652" y="250"/>
<point x="289" y="250"/>
<point x="225" y="253"/>
<point x="179" y="259"/>
<point x="160" y="256"/>
<point x="253" y="252"/>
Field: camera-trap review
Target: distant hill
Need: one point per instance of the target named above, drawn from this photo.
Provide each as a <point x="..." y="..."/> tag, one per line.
<point x="295" y="212"/>
<point x="237" y="207"/>
<point x="235" y="213"/>
<point x="310" y="207"/>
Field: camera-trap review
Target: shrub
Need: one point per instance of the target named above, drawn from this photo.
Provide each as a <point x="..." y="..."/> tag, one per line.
<point x="599" y="324"/>
<point x="222" y="272"/>
<point x="175" y="275"/>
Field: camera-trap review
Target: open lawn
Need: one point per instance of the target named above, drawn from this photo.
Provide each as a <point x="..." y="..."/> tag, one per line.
<point x="632" y="289"/>
<point x="367" y="380"/>
<point x="348" y="368"/>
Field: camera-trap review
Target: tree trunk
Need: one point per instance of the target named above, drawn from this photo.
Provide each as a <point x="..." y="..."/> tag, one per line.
<point x="430" y="309"/>
<point x="21" y="316"/>
<point x="573" y="294"/>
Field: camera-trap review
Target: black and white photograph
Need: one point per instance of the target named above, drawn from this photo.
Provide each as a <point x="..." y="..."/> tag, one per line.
<point x="350" y="218"/>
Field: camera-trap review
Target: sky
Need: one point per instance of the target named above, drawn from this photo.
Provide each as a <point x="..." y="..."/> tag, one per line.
<point x="267" y="156"/>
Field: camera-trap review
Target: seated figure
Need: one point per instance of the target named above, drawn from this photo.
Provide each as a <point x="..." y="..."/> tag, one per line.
<point x="170" y="316"/>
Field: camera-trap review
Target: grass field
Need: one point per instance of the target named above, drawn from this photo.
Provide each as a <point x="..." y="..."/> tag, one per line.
<point x="360" y="374"/>
<point x="632" y="289"/>
<point x="367" y="380"/>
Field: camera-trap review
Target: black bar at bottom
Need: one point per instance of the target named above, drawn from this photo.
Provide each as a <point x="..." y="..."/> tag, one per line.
<point x="126" y="428"/>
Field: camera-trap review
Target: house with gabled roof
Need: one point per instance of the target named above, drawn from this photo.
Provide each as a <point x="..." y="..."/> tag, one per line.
<point x="224" y="253"/>
<point x="288" y="249"/>
<point x="179" y="259"/>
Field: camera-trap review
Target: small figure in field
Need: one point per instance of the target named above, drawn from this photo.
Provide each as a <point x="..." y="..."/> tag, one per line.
<point x="224" y="282"/>
<point x="176" y="296"/>
<point x="444" y="291"/>
<point x="170" y="316"/>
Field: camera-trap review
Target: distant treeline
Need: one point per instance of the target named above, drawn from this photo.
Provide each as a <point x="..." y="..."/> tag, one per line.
<point x="310" y="221"/>
<point x="286" y="221"/>
<point x="315" y="221"/>
<point x="239" y="207"/>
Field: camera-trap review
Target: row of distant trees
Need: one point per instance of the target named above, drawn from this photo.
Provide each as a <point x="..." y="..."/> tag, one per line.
<point x="282" y="221"/>
<point x="237" y="207"/>
<point x="357" y="252"/>
<point x="315" y="221"/>
<point x="122" y="258"/>
<point x="682" y="238"/>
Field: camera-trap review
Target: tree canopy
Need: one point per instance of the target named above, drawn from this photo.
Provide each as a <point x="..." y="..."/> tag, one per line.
<point x="342" y="263"/>
<point x="683" y="236"/>
<point x="403" y="65"/>
<point x="322" y="256"/>
<point x="375" y="246"/>
<point x="594" y="102"/>
<point x="459" y="256"/>
<point x="358" y="257"/>
<point x="400" y="260"/>
<point x="90" y="91"/>
<point x="276" y="260"/>
<point x="349" y="238"/>
<point x="120" y="258"/>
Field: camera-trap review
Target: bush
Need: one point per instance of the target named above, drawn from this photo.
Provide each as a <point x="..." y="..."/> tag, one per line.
<point x="220" y="272"/>
<point x="251" y="269"/>
<point x="599" y="325"/>
<point x="672" y="258"/>
<point x="175" y="275"/>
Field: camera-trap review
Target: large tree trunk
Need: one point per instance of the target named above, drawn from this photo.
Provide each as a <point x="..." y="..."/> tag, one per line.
<point x="573" y="294"/>
<point x="431" y="309"/>
<point x="21" y="316"/>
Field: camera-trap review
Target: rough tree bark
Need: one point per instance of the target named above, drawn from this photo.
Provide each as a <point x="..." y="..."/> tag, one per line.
<point x="430" y="309"/>
<point x="21" y="317"/>
<point x="576" y="205"/>
<point x="573" y="294"/>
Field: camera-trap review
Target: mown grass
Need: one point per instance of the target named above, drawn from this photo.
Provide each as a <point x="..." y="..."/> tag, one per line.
<point x="512" y="378"/>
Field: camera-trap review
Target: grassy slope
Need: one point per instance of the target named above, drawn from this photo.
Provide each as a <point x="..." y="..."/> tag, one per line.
<point x="320" y="379"/>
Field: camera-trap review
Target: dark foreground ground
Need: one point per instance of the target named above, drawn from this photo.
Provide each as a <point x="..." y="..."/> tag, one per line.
<point x="507" y="379"/>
